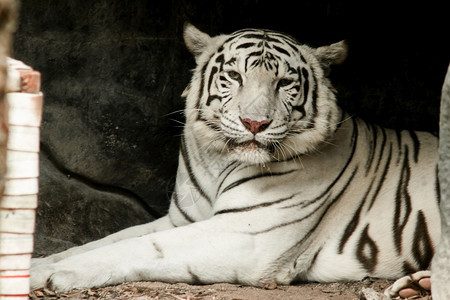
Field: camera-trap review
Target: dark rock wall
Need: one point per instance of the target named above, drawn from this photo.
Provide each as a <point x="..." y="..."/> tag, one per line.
<point x="113" y="70"/>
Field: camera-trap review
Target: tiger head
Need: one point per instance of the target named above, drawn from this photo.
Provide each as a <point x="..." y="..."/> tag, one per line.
<point x="259" y="95"/>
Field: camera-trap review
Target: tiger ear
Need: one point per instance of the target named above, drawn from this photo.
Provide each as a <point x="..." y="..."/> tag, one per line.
<point x="333" y="54"/>
<point x="196" y="41"/>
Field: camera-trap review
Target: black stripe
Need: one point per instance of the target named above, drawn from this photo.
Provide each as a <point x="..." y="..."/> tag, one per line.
<point x="258" y="36"/>
<point x="159" y="251"/>
<point x="383" y="145"/>
<point x="245" y="45"/>
<point x="437" y="186"/>
<point x="211" y="98"/>
<point x="303" y="59"/>
<point x="269" y="38"/>
<point x="373" y="146"/>
<point x="402" y="203"/>
<point x="262" y="175"/>
<point x="300" y="109"/>
<point x="210" y="124"/>
<point x="249" y="208"/>
<point x="202" y="85"/>
<point x="277" y="65"/>
<point x="256" y="63"/>
<point x="416" y="144"/>
<point x="422" y="247"/>
<point x="246" y="64"/>
<point x="237" y="35"/>
<point x="352" y="225"/>
<point x="342" y="119"/>
<point x="226" y="176"/>
<point x="349" y="230"/>
<point x="194" y="277"/>
<point x="171" y="221"/>
<point x="382" y="177"/>
<point x="398" y="133"/>
<point x="255" y="53"/>
<point x="287" y="106"/>
<point x="230" y="61"/>
<point x="292" y="45"/>
<point x="213" y="72"/>
<point x="354" y="142"/>
<point x="315" y="95"/>
<point x="296" y="88"/>
<point x="311" y="265"/>
<point x="226" y="101"/>
<point x="367" y="251"/>
<point x="231" y="166"/>
<point x="408" y="268"/>
<point x="177" y="204"/>
<point x="305" y="74"/>
<point x="281" y="50"/>
<point x="220" y="59"/>
<point x="293" y="250"/>
<point x="191" y="174"/>
<point x="399" y="143"/>
<point x="200" y="91"/>
<point x="292" y="71"/>
<point x="286" y="39"/>
<point x="338" y="196"/>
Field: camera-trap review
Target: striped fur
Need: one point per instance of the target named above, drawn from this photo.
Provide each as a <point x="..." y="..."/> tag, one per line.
<point x="275" y="182"/>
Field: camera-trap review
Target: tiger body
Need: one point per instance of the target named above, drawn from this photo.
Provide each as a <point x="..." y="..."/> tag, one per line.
<point x="338" y="229"/>
<point x="275" y="182"/>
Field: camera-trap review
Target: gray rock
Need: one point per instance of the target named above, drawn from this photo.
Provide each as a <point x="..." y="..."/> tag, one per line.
<point x="440" y="273"/>
<point x="371" y="294"/>
<point x="80" y="211"/>
<point x="109" y="90"/>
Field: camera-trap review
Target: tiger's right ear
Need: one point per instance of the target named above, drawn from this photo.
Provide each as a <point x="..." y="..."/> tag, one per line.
<point x="196" y="41"/>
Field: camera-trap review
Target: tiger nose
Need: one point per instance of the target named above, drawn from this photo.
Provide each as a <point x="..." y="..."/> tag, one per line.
<point x="255" y="126"/>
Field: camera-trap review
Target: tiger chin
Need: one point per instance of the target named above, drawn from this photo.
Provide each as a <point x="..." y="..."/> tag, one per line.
<point x="275" y="183"/>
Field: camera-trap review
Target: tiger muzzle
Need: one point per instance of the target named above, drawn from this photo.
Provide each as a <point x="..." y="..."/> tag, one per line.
<point x="255" y="126"/>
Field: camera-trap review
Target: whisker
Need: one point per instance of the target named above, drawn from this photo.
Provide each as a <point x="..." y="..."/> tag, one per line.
<point x="178" y="121"/>
<point x="182" y="111"/>
<point x="173" y="113"/>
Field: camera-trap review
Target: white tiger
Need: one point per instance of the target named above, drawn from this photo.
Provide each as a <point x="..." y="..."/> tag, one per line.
<point x="275" y="183"/>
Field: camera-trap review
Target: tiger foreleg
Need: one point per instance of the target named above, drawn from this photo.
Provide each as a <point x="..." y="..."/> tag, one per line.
<point x="136" y="231"/>
<point x="416" y="284"/>
<point x="203" y="252"/>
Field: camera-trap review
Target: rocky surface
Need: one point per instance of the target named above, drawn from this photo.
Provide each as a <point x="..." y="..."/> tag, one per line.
<point x="368" y="289"/>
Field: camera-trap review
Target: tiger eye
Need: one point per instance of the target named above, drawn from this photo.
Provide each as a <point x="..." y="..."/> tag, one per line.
<point x="235" y="76"/>
<point x="284" y="82"/>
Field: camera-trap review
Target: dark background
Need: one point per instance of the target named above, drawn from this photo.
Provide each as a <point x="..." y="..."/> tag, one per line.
<point x="113" y="70"/>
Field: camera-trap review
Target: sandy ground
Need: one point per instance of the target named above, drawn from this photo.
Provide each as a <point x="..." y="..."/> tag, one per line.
<point x="222" y="291"/>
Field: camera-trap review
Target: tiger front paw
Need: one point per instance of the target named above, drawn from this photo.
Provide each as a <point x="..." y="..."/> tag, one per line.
<point x="417" y="284"/>
<point x="65" y="277"/>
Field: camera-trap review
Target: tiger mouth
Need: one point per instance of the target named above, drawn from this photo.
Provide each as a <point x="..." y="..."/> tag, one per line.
<point x="252" y="145"/>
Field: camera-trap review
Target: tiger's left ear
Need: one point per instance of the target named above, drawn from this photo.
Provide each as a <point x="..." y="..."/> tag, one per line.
<point x="196" y="41"/>
<point x="333" y="54"/>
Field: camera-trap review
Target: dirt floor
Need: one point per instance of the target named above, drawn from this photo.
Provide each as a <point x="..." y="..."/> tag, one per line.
<point x="368" y="289"/>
